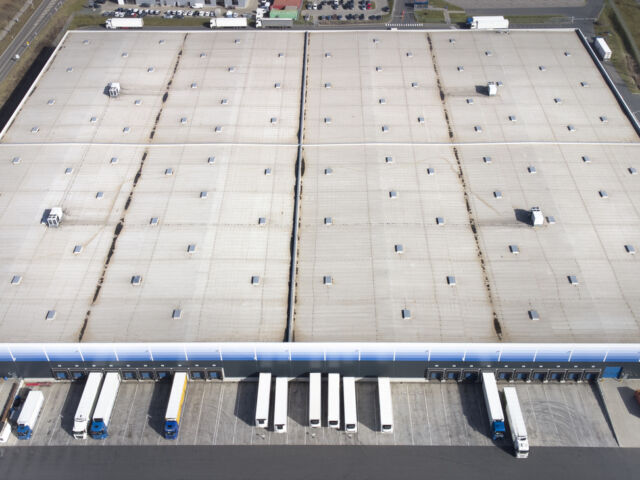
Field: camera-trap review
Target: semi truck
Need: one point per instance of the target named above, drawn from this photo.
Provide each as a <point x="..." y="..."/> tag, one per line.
<point x="494" y="407"/>
<point x="602" y="49"/>
<point x="516" y="423"/>
<point x="86" y="405"/>
<point x="228" y="22"/>
<point x="128" y="22"/>
<point x="104" y="407"/>
<point x="29" y="414"/>
<point x="174" y="407"/>
<point x="274" y="22"/>
<point x="488" y="23"/>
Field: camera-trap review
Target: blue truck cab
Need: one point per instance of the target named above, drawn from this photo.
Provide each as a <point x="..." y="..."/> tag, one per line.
<point x="98" y="429"/>
<point x="498" y="429"/>
<point x="171" y="429"/>
<point x="24" y="432"/>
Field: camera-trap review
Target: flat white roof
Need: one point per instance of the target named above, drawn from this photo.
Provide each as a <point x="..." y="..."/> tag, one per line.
<point x="429" y="125"/>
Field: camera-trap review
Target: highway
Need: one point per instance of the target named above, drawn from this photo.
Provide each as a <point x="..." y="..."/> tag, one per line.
<point x="36" y="22"/>
<point x="317" y="462"/>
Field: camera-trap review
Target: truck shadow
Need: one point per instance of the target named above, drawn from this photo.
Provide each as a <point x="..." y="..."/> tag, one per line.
<point x="158" y="404"/>
<point x="626" y="393"/>
<point x="70" y="406"/>
<point x="246" y="401"/>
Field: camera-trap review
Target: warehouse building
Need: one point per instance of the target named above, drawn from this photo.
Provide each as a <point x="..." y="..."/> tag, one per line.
<point x="240" y="187"/>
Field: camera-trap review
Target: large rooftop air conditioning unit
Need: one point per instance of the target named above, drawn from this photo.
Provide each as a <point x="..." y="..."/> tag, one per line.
<point x="114" y="89"/>
<point x="55" y="217"/>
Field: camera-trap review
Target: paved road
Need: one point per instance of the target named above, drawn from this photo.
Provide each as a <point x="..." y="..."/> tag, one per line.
<point x="590" y="10"/>
<point x="36" y="22"/>
<point x="311" y="463"/>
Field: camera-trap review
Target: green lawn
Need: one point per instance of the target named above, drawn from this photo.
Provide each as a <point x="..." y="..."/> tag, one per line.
<point x="532" y="19"/>
<point x="621" y="58"/>
<point x="429" y="16"/>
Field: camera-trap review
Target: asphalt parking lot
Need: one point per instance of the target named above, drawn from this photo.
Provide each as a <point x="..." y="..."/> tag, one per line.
<point x="221" y="413"/>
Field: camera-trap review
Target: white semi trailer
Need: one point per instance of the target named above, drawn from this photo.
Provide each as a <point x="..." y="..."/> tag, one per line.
<point x="228" y="22"/>
<point x="128" y="22"/>
<point x="603" y="50"/>
<point x="29" y="414"/>
<point x="86" y="405"/>
<point x="104" y="408"/>
<point x="516" y="423"/>
<point x="494" y="407"/>
<point x="488" y="23"/>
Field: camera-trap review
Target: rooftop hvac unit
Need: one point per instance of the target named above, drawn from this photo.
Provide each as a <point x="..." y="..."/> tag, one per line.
<point x="492" y="89"/>
<point x="536" y="216"/>
<point x="113" y="89"/>
<point x="54" y="217"/>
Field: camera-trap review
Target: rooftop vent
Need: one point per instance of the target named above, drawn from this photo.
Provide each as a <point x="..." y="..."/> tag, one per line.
<point x="204" y="195"/>
<point x="488" y="53"/>
<point x="531" y="169"/>
<point x="378" y="69"/>
<point x="382" y="101"/>
<point x="51" y="314"/>
<point x="406" y="314"/>
<point x="16" y="161"/>
<point x="153" y="221"/>
<point x="218" y="129"/>
<point x="280" y="54"/>
<point x="194" y="85"/>
<point x="630" y="249"/>
<point x="393" y="194"/>
<point x="183" y="120"/>
<point x="327" y="55"/>
<point x="420" y="119"/>
<point x="68" y="171"/>
<point x="113" y="89"/>
<point x="328" y="171"/>
<point x="161" y="41"/>
<point x="51" y="101"/>
<point x="267" y="171"/>
<point x="176" y="314"/>
<point x="586" y="159"/>
<point x="136" y="280"/>
<point x="93" y="120"/>
<point x="388" y="159"/>
<point x="430" y="171"/>
<point x="168" y="172"/>
<point x="604" y="119"/>
<point x="512" y="118"/>
<point x="224" y="101"/>
<point x="277" y="85"/>
<point x="77" y="249"/>
<point x="327" y="280"/>
<point x="486" y="159"/>
<point x="99" y="195"/>
<point x="573" y="280"/>
<point x="440" y="221"/>
<point x="571" y="128"/>
<point x="203" y="55"/>
<point x="35" y="129"/>
<point x="124" y="55"/>
<point x="262" y="221"/>
<point x="584" y="84"/>
<point x="274" y="120"/>
<point x="399" y="248"/>
<point x="603" y="194"/>
<point x="385" y="128"/>
<point x="191" y="248"/>
<point x="16" y="280"/>
<point x="452" y="40"/>
<point x="255" y="280"/>
<point x="514" y="249"/>
<point x="533" y="315"/>
<point x="237" y="41"/>
<point x="470" y="101"/>
<point x="327" y="120"/>
<point x="232" y="69"/>
<point x="150" y="69"/>
<point x="114" y="160"/>
<point x="451" y="280"/>
<point x="327" y="85"/>
<point x="497" y="194"/>
<point x="478" y="129"/>
<point x="542" y="68"/>
<point x="632" y="171"/>
<point x="414" y="84"/>
<point x="211" y="160"/>
<point x="54" y="217"/>
<point x="126" y="130"/>
<point x="460" y="68"/>
<point x="410" y="54"/>
<point x="551" y="220"/>
<point x="137" y="102"/>
<point x="567" y="54"/>
<point x="69" y="69"/>
<point x="557" y="100"/>
<point x="328" y="221"/>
